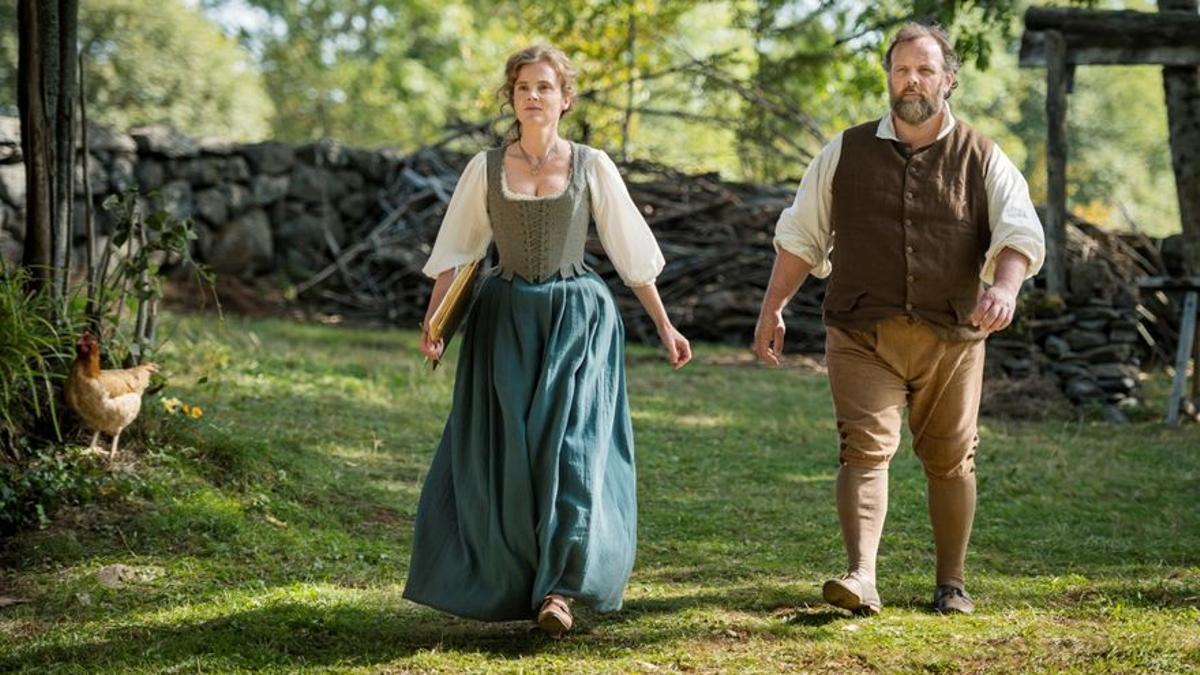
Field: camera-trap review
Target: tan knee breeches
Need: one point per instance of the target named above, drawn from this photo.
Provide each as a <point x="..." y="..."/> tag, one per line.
<point x="874" y="374"/>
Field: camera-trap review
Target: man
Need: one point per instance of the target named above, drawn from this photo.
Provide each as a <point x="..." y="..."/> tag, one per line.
<point x="908" y="214"/>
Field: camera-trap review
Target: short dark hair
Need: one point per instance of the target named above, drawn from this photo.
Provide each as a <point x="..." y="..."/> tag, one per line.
<point x="915" y="31"/>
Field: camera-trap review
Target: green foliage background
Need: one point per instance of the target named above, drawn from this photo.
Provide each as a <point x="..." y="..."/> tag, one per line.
<point x="155" y="61"/>
<point x="748" y="88"/>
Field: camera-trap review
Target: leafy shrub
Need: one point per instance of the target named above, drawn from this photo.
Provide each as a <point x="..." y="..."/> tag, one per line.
<point x="30" y="492"/>
<point x="37" y="338"/>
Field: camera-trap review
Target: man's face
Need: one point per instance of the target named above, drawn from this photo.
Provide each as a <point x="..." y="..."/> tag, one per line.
<point x="918" y="81"/>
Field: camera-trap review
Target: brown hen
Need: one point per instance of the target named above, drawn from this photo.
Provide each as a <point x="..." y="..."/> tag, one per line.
<point x="106" y="400"/>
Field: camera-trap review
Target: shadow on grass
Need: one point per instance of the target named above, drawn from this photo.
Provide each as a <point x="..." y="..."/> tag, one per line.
<point x="287" y="634"/>
<point x="290" y="634"/>
<point x="764" y="600"/>
<point x="727" y="513"/>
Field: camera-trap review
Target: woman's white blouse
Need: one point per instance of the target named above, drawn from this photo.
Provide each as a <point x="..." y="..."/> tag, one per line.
<point x="466" y="230"/>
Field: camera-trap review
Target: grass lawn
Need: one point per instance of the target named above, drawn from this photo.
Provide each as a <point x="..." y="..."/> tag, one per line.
<point x="273" y="534"/>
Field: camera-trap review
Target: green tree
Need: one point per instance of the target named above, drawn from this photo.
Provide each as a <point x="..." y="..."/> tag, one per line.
<point x="750" y="88"/>
<point x="373" y="73"/>
<point x="820" y="68"/>
<point x="147" y="61"/>
<point x="1119" y="166"/>
<point x="615" y="44"/>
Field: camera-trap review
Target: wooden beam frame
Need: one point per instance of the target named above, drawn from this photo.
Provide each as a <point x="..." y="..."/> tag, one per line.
<point x="1060" y="39"/>
<point x="1096" y="37"/>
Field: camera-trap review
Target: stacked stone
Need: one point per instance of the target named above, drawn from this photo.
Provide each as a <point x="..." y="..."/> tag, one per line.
<point x="1092" y="344"/>
<point x="12" y="191"/>
<point x="1093" y="351"/>
<point x="259" y="209"/>
<point x="276" y="209"/>
<point x="266" y="206"/>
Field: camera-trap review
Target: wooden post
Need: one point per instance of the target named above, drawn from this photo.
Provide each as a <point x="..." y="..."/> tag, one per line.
<point x="1181" y="85"/>
<point x="1187" y="333"/>
<point x="64" y="154"/>
<point x="1056" y="163"/>
<point x="37" y="137"/>
<point x="1195" y="397"/>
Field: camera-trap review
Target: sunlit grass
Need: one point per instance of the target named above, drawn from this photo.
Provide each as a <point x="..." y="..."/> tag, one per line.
<point x="278" y="526"/>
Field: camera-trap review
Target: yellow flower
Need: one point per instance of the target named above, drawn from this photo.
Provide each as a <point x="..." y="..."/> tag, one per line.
<point x="171" y="405"/>
<point x="197" y="412"/>
<point x="187" y="409"/>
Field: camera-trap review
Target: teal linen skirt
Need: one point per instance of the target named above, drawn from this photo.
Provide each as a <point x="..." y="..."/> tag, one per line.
<point x="532" y="488"/>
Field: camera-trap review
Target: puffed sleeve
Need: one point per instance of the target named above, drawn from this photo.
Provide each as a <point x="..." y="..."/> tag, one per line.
<point x="804" y="228"/>
<point x="466" y="230"/>
<point x="1013" y="219"/>
<point x="623" y="231"/>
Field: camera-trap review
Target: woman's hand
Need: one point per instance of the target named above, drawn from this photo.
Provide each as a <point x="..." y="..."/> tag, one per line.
<point x="431" y="350"/>
<point x="679" y="350"/>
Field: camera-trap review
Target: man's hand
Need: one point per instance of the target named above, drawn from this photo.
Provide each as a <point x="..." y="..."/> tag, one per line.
<point x="768" y="338"/>
<point x="786" y="276"/>
<point x="995" y="308"/>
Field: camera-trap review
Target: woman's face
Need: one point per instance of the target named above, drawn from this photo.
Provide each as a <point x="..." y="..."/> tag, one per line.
<point x="538" y="98"/>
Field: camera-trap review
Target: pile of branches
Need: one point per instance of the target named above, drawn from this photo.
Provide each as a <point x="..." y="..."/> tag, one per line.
<point x="1107" y="268"/>
<point x="378" y="274"/>
<point x="715" y="235"/>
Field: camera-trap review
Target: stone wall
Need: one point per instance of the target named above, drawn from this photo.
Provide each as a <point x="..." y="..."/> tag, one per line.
<point x="1089" y="344"/>
<point x="273" y="209"/>
<point x="12" y="190"/>
<point x="259" y="209"/>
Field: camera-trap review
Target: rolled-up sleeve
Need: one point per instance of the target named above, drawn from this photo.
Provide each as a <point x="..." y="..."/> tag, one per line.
<point x="623" y="231"/>
<point x="804" y="229"/>
<point x="466" y="229"/>
<point x="1014" y="221"/>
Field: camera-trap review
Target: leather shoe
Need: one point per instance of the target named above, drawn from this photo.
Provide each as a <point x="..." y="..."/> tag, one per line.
<point x="850" y="592"/>
<point x="952" y="600"/>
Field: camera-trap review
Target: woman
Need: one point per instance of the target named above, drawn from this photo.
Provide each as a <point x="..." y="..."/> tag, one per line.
<point x="530" y="502"/>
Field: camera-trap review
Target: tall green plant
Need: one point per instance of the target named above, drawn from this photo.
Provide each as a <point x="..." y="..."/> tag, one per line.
<point x="141" y="242"/>
<point x="34" y="355"/>
<point x="37" y="474"/>
<point x="36" y="343"/>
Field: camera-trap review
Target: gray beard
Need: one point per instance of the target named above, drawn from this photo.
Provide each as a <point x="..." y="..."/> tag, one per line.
<point x="914" y="112"/>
